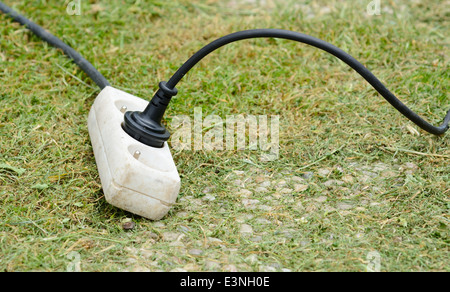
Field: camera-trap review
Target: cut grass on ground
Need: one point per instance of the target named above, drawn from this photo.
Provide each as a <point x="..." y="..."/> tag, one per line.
<point x="354" y="179"/>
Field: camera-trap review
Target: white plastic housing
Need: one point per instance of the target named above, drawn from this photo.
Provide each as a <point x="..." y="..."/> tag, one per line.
<point x="135" y="177"/>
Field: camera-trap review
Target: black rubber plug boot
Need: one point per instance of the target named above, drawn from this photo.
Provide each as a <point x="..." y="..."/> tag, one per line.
<point x="146" y="126"/>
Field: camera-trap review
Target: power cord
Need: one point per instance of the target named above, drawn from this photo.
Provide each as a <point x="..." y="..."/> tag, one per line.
<point x="87" y="67"/>
<point x="146" y="126"/>
<point x="137" y="124"/>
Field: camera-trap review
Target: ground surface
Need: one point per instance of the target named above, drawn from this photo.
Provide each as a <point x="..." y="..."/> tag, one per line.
<point x="355" y="187"/>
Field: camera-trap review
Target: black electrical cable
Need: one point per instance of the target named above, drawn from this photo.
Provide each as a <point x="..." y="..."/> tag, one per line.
<point x="153" y="113"/>
<point x="87" y="67"/>
<point x="315" y="42"/>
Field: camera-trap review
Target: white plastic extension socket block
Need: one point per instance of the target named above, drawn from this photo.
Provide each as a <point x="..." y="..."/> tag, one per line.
<point x="135" y="177"/>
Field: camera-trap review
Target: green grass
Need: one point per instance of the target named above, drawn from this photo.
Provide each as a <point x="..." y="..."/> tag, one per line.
<point x="375" y="185"/>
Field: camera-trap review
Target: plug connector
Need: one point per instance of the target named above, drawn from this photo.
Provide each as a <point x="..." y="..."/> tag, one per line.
<point x="145" y="126"/>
